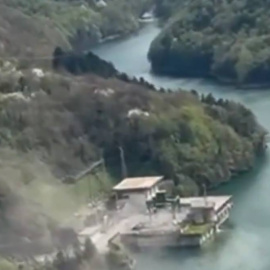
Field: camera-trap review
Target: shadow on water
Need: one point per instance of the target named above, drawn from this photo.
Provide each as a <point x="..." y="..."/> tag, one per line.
<point x="242" y="183"/>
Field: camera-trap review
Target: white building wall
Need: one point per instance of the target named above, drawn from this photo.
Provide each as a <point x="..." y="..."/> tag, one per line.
<point x="137" y="200"/>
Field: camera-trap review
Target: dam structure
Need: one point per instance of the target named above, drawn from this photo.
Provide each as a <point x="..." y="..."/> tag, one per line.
<point x="142" y="215"/>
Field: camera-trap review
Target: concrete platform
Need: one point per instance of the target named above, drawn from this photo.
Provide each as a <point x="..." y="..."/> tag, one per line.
<point x="134" y="223"/>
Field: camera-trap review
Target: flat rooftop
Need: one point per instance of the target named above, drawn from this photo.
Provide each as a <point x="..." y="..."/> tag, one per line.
<point x="211" y="201"/>
<point x="138" y="183"/>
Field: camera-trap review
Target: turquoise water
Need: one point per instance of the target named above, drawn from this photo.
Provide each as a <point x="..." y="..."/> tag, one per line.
<point x="246" y="244"/>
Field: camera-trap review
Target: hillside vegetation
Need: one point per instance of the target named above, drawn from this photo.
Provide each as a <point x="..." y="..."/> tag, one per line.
<point x="71" y="122"/>
<point x="228" y="40"/>
<point x="83" y="257"/>
<point x="34" y="27"/>
<point x="37" y="210"/>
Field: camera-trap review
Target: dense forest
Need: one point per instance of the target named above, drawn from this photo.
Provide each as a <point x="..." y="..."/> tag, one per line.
<point x="80" y="119"/>
<point x="227" y="40"/>
<point x="40" y="25"/>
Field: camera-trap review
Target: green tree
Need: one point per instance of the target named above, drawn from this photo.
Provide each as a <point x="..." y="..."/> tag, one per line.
<point x="244" y="64"/>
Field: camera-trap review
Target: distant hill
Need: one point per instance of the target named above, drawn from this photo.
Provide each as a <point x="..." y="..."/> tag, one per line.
<point x="227" y="40"/>
<point x="22" y="35"/>
<point x="34" y="27"/>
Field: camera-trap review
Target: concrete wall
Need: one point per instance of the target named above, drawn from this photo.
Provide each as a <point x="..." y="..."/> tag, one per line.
<point x="223" y="215"/>
<point x="138" y="201"/>
<point x="140" y="195"/>
<point x="150" y="241"/>
<point x="165" y="241"/>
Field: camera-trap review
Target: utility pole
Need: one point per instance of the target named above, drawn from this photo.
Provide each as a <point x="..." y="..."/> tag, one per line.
<point x="123" y="162"/>
<point x="104" y="166"/>
<point x="204" y="194"/>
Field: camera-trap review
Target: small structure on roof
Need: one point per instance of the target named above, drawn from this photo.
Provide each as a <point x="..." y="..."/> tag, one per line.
<point x="195" y="222"/>
<point x="146" y="186"/>
<point x="207" y="209"/>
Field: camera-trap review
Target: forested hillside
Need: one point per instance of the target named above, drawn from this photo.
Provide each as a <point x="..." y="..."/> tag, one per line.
<point x="72" y="122"/>
<point x="227" y="40"/>
<point x="39" y="25"/>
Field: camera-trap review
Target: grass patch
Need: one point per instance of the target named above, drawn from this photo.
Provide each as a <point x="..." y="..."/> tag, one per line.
<point x="91" y="187"/>
<point x="197" y="229"/>
<point x="60" y="201"/>
<point x="34" y="183"/>
<point x="6" y="265"/>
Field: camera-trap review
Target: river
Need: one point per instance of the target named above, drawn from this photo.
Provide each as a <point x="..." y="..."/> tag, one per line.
<point x="244" y="245"/>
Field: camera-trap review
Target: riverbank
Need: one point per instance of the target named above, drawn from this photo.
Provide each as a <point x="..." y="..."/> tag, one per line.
<point x="118" y="37"/>
<point x="218" y="81"/>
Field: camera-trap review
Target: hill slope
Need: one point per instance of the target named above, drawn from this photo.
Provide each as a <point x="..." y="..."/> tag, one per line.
<point x="228" y="40"/>
<point x="34" y="28"/>
<point x="76" y="119"/>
